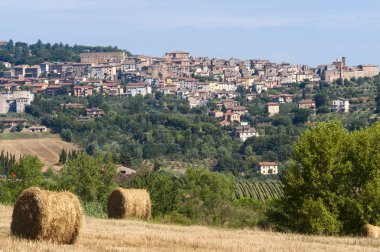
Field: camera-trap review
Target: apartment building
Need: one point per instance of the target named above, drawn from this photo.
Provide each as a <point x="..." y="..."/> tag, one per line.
<point x="102" y="57"/>
<point x="15" y="101"/>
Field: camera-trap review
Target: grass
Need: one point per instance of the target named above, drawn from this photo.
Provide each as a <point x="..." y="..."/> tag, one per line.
<point x="14" y="136"/>
<point x="132" y="235"/>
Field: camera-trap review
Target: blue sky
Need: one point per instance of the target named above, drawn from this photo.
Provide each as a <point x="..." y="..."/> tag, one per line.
<point x="303" y="32"/>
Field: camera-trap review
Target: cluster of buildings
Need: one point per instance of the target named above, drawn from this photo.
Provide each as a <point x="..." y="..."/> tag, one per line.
<point x="179" y="72"/>
<point x="339" y="105"/>
<point x="197" y="79"/>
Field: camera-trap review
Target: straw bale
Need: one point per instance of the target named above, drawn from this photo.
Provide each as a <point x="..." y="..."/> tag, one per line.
<point x="371" y="231"/>
<point x="124" y="203"/>
<point x="45" y="215"/>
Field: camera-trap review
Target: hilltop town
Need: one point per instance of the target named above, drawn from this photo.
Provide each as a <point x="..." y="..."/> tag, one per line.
<point x="244" y="97"/>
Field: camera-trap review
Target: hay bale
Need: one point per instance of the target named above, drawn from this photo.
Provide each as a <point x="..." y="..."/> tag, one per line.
<point x="371" y="231"/>
<point x="124" y="203"/>
<point x="46" y="215"/>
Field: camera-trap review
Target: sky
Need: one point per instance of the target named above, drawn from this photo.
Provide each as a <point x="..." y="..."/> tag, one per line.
<point x="308" y="32"/>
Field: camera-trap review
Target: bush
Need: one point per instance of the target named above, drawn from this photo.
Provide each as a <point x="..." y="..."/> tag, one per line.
<point x="198" y="197"/>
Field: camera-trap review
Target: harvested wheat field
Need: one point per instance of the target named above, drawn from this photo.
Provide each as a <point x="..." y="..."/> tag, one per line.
<point x="127" y="235"/>
<point x="46" y="149"/>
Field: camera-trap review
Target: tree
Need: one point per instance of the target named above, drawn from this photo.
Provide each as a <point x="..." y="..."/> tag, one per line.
<point x="10" y="46"/>
<point x="242" y="90"/>
<point x="67" y="135"/>
<point x="323" y="110"/>
<point x="28" y="170"/>
<point x="320" y="100"/>
<point x="205" y="195"/>
<point x="2" y="67"/>
<point x="317" y="157"/>
<point x="91" y="178"/>
<point x="332" y="184"/>
<point x="301" y="116"/>
<point x="377" y="99"/>
<point x="19" y="127"/>
<point x="163" y="187"/>
<point x="63" y="156"/>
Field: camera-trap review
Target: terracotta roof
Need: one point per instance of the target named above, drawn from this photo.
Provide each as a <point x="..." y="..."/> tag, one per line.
<point x="12" y="120"/>
<point x="267" y="163"/>
<point x="80" y="87"/>
<point x="306" y="101"/>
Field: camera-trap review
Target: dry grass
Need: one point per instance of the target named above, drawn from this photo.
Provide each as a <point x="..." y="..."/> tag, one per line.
<point x="45" y="215"/>
<point x="126" y="235"/>
<point x="124" y="203"/>
<point x="46" y="149"/>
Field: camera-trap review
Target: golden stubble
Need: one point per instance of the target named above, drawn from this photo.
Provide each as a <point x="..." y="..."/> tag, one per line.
<point x="133" y="235"/>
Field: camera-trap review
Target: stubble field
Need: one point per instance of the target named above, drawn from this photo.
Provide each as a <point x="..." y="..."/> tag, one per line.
<point x="131" y="235"/>
<point x="46" y="147"/>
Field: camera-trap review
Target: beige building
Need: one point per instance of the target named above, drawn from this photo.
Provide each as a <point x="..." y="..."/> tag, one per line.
<point x="103" y="57"/>
<point x="306" y="104"/>
<point x="273" y="108"/>
<point x="83" y="91"/>
<point x="221" y="86"/>
<point x="370" y="70"/>
<point x="107" y="73"/>
<point x="33" y="71"/>
<point x="177" y="55"/>
<point x="344" y="72"/>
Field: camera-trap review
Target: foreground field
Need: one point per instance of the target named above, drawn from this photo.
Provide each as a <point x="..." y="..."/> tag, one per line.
<point x="46" y="147"/>
<point x="118" y="235"/>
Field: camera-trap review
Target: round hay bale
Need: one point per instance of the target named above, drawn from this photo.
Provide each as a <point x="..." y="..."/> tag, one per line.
<point x="46" y="215"/>
<point x="124" y="203"/>
<point x="371" y="231"/>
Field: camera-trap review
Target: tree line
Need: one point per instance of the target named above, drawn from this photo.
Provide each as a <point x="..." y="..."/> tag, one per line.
<point x="19" y="53"/>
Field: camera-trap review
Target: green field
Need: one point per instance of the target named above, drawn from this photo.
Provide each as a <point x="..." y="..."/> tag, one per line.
<point x="21" y="135"/>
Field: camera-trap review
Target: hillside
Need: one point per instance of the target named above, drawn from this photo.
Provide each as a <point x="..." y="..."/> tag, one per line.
<point x="46" y="147"/>
<point x="117" y="235"/>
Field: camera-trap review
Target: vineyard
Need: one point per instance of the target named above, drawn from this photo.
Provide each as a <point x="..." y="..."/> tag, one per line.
<point x="261" y="190"/>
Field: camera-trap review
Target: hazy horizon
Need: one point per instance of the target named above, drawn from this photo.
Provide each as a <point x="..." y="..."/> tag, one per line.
<point x="308" y="32"/>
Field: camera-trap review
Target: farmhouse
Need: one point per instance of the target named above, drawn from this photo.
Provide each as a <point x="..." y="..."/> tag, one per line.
<point x="342" y="105"/>
<point x="72" y="105"/>
<point x="267" y="168"/>
<point x="10" y="122"/>
<point x="306" y="104"/>
<point x="83" y="118"/>
<point x="245" y="132"/>
<point x="95" y="112"/>
<point x="231" y="116"/>
<point x="35" y="129"/>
